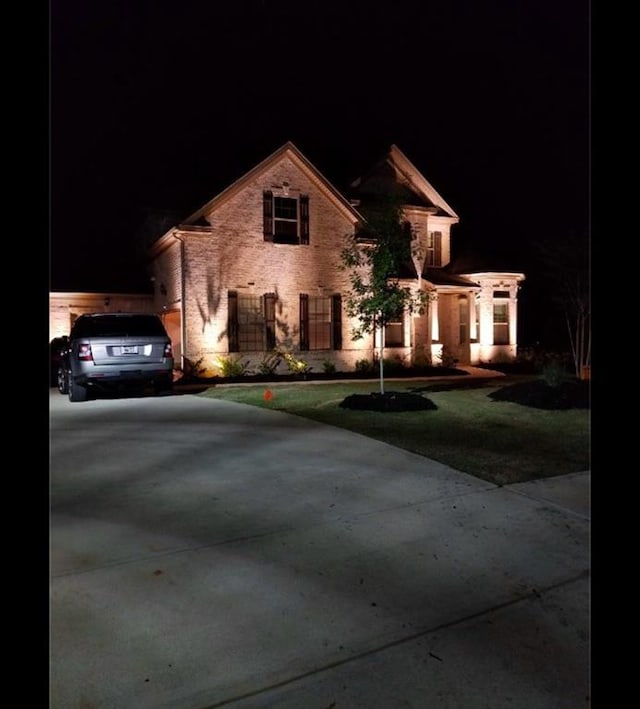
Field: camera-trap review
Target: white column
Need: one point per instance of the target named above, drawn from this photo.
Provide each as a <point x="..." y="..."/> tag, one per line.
<point x="513" y="316"/>
<point x="473" y="332"/>
<point x="435" y="327"/>
<point x="486" y="315"/>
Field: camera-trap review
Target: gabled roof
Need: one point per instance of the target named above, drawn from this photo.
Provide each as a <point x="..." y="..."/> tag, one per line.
<point x="396" y="169"/>
<point x="287" y="150"/>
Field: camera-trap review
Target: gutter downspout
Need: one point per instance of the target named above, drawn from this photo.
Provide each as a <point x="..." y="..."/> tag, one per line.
<point x="183" y="276"/>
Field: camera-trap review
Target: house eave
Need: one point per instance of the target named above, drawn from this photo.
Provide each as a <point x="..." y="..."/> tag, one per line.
<point x="460" y="288"/>
<point x="519" y="276"/>
<point x="163" y="243"/>
<point x="411" y="173"/>
<point x="296" y="156"/>
<point x="195" y="229"/>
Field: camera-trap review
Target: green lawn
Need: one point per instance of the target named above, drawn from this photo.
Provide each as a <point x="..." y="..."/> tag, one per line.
<point x="501" y="442"/>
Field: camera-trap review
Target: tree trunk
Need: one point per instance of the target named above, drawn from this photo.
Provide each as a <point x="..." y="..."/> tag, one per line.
<point x="382" y="360"/>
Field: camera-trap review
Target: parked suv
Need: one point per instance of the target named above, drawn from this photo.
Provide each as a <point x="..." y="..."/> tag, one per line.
<point x="57" y="348"/>
<point x="107" y="350"/>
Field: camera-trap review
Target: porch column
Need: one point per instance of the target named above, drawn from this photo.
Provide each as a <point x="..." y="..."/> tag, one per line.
<point x="420" y="340"/>
<point x="473" y="321"/>
<point x="435" y="326"/>
<point x="513" y="315"/>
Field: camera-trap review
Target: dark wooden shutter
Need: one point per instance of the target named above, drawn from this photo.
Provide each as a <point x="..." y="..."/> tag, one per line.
<point x="437" y="248"/>
<point x="270" y="320"/>
<point x="232" y="321"/>
<point x="267" y="214"/>
<point x="336" y="321"/>
<point x="304" y="321"/>
<point x="304" y="219"/>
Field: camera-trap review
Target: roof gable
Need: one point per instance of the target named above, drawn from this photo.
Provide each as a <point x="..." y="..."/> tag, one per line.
<point x="396" y="169"/>
<point x="287" y="150"/>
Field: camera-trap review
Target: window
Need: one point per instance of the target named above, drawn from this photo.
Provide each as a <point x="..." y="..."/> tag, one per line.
<point x="500" y="323"/>
<point x="434" y="249"/>
<point x="285" y="219"/>
<point x="463" y="308"/>
<point x="119" y="325"/>
<point x="251" y="322"/>
<point x="270" y="320"/>
<point x="320" y="322"/>
<point x="394" y="331"/>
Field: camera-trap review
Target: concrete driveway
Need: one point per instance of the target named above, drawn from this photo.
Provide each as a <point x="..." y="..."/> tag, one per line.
<point x="206" y="553"/>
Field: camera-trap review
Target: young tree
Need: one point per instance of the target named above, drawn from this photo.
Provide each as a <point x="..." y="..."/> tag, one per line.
<point x="566" y="268"/>
<point x="374" y="258"/>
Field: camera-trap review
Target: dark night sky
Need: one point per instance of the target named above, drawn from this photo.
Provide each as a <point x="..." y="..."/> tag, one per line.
<point x="161" y="104"/>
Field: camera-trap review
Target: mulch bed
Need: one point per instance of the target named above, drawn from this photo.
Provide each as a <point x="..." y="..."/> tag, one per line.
<point x="389" y="401"/>
<point x="570" y="394"/>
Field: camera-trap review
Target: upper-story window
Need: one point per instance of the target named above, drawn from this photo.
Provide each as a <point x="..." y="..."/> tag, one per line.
<point x="285" y="219"/>
<point x="434" y="249"/>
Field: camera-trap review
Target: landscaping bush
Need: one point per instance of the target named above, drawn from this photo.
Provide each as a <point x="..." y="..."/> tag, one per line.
<point x="233" y="366"/>
<point x="364" y="366"/>
<point x="328" y="367"/>
<point x="269" y="364"/>
<point x="295" y="365"/>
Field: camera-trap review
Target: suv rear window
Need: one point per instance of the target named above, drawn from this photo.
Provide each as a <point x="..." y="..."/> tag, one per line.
<point x="118" y="326"/>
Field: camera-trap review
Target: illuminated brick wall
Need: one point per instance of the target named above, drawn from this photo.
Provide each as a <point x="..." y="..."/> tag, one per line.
<point x="236" y="257"/>
<point x="65" y="307"/>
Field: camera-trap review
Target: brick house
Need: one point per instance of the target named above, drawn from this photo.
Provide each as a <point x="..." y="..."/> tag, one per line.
<point x="258" y="267"/>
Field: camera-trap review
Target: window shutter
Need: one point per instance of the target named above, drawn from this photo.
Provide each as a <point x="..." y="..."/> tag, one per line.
<point x="232" y="321"/>
<point x="304" y="321"/>
<point x="437" y="247"/>
<point x="270" y="320"/>
<point x="304" y="219"/>
<point x="336" y="321"/>
<point x="267" y="214"/>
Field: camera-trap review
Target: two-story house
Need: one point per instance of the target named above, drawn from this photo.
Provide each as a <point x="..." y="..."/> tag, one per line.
<point x="259" y="267"/>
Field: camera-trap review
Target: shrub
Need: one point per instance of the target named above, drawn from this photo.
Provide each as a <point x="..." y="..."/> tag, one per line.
<point x="269" y="364"/>
<point x="364" y="366"/>
<point x="233" y="366"/>
<point x="532" y="359"/>
<point x="295" y="365"/>
<point x="393" y="364"/>
<point x="422" y="360"/>
<point x="194" y="368"/>
<point x="328" y="367"/>
<point x="447" y="359"/>
<point x="554" y="372"/>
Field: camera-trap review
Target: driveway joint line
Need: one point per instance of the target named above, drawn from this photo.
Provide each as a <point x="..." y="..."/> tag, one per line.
<point x="534" y="594"/>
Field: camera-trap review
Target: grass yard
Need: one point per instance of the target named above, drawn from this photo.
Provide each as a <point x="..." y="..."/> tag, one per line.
<point x="499" y="441"/>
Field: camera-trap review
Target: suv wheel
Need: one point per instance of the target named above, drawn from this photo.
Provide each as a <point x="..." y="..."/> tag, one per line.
<point x="63" y="386"/>
<point x="76" y="391"/>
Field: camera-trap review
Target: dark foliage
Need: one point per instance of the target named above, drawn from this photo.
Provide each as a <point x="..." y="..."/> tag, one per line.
<point x="536" y="393"/>
<point x="570" y="394"/>
<point x="396" y="373"/>
<point x="387" y="402"/>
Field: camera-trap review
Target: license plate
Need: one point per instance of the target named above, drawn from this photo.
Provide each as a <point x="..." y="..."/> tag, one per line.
<point x="129" y="350"/>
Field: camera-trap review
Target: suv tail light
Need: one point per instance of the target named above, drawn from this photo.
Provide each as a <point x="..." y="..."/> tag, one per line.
<point x="84" y="353"/>
<point x="168" y="351"/>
